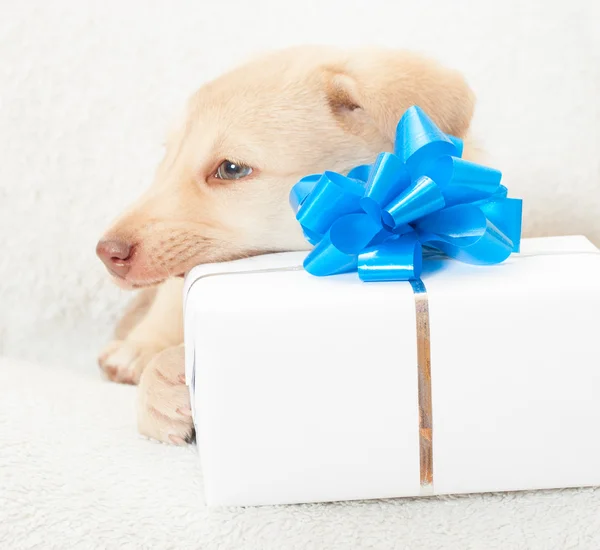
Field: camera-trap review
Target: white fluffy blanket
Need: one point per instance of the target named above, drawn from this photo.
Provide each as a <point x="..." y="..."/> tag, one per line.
<point x="74" y="474"/>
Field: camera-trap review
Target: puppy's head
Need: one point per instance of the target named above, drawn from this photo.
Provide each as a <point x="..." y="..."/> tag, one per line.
<point x="221" y="191"/>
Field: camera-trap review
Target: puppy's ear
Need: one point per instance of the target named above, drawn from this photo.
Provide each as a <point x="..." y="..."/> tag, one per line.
<point x="371" y="90"/>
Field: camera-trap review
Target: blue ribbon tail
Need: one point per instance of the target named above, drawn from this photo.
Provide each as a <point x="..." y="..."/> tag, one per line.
<point x="476" y="234"/>
<point x="338" y="250"/>
<point x="333" y="196"/>
<point x="419" y="142"/>
<point x="461" y="225"/>
<point x="387" y="179"/>
<point x="493" y="247"/>
<point x="421" y="198"/>
<point x="302" y="189"/>
<point x="458" y="144"/>
<point x="462" y="181"/>
<point x="325" y="259"/>
<point x="360" y="173"/>
<point x="507" y="216"/>
<point x="397" y="259"/>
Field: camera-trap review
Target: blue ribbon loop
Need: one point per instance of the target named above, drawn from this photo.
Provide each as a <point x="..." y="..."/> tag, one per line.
<point x="377" y="219"/>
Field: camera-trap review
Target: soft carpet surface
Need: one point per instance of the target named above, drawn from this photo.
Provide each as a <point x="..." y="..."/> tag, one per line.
<point x="75" y="474"/>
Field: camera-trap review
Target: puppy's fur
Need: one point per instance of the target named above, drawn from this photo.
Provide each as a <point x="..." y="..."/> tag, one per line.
<point x="288" y="114"/>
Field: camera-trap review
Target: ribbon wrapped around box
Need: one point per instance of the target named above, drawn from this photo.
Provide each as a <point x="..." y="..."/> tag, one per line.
<point x="307" y="389"/>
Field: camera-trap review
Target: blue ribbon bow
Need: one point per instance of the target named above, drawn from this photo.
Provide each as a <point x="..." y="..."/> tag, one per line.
<point x="378" y="219"/>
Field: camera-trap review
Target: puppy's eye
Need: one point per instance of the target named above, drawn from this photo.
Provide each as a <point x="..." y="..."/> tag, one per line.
<point x="229" y="170"/>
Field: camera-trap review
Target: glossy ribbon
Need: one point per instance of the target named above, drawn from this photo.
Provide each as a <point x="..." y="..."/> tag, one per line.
<point x="382" y="219"/>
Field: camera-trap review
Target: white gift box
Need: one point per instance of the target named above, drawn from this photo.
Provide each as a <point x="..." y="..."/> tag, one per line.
<point x="309" y="389"/>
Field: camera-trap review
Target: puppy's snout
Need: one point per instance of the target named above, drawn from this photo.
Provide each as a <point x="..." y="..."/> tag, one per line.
<point x="116" y="255"/>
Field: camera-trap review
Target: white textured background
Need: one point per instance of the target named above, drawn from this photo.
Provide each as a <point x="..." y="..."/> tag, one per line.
<point x="88" y="88"/>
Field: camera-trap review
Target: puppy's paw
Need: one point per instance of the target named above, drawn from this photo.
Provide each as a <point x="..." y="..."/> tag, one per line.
<point x="164" y="411"/>
<point x="123" y="361"/>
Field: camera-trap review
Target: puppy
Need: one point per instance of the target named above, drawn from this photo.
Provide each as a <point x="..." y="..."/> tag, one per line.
<point x="221" y="191"/>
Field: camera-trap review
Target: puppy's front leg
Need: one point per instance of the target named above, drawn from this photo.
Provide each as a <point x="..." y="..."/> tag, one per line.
<point x="159" y="328"/>
<point x="163" y="410"/>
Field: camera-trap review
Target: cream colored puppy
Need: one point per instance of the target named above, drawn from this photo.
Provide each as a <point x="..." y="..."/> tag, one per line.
<point x="221" y="191"/>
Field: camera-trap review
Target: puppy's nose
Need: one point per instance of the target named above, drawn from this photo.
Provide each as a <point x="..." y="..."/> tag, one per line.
<point x="116" y="256"/>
